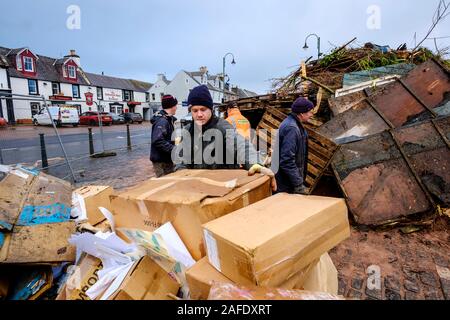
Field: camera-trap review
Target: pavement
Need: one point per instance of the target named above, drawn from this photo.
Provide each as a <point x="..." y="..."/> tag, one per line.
<point x="21" y="144"/>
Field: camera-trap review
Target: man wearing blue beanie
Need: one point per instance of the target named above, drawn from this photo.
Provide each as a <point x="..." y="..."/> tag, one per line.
<point x="212" y="143"/>
<point x="292" y="148"/>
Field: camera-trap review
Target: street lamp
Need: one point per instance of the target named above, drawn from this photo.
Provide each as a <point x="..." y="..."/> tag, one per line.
<point x="223" y="73"/>
<point x="318" y="44"/>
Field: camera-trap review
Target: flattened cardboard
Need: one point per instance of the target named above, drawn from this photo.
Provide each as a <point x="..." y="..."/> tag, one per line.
<point x="86" y="272"/>
<point x="95" y="197"/>
<point x="266" y="243"/>
<point x="13" y="190"/>
<point x="188" y="199"/>
<point x="45" y="243"/>
<point x="146" y="281"/>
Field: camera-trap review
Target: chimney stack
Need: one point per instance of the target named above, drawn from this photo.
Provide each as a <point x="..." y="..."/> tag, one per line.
<point x="73" y="55"/>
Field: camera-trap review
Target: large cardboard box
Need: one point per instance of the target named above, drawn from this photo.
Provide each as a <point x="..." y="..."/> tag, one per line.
<point x="203" y="275"/>
<point x="93" y="198"/>
<point x="188" y="199"/>
<point x="146" y="281"/>
<point x="269" y="241"/>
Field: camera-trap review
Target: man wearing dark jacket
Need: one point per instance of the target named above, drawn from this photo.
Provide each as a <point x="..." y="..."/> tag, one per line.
<point x="292" y="148"/>
<point x="212" y="143"/>
<point x="162" y="129"/>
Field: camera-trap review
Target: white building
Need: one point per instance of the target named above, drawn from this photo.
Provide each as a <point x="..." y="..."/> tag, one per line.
<point x="185" y="81"/>
<point x="63" y="81"/>
<point x="5" y="105"/>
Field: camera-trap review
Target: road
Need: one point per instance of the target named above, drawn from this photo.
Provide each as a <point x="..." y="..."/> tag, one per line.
<point x="22" y="144"/>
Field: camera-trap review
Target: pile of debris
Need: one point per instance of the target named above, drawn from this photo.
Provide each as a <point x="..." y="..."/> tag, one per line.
<point x="381" y="129"/>
<point x="194" y="234"/>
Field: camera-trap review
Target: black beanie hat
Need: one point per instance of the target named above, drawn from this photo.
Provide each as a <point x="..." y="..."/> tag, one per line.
<point x="302" y="105"/>
<point x="168" y="101"/>
<point x="200" y="96"/>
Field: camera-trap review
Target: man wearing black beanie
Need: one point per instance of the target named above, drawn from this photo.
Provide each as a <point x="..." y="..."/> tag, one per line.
<point x="212" y="143"/>
<point x="162" y="129"/>
<point x="292" y="149"/>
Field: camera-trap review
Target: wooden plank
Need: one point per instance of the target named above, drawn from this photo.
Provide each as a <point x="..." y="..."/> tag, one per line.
<point x="312" y="170"/>
<point x="267" y="125"/>
<point x="310" y="181"/>
<point x="272" y="120"/>
<point x="277" y="113"/>
<point x="318" y="162"/>
<point x="321" y="151"/>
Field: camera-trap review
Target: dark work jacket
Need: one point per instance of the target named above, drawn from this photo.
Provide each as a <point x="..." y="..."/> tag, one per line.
<point x="292" y="149"/>
<point x="162" y="144"/>
<point x="241" y="149"/>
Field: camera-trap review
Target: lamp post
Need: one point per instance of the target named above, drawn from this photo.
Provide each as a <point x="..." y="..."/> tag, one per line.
<point x="318" y="44"/>
<point x="223" y="73"/>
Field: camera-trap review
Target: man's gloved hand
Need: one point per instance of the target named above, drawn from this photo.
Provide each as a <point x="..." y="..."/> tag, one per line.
<point x="301" y="190"/>
<point x="257" y="168"/>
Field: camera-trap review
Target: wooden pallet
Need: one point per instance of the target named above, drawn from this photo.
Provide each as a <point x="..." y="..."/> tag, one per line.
<point x="321" y="149"/>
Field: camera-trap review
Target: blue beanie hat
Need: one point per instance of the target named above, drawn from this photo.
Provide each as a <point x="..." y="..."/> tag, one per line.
<point x="200" y="96"/>
<point x="302" y="105"/>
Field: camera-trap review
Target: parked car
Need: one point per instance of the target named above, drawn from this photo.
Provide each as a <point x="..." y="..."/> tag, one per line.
<point x="3" y="122"/>
<point x="187" y="119"/>
<point x="61" y="115"/>
<point x="131" y="117"/>
<point x="91" y="118"/>
<point x="117" y="118"/>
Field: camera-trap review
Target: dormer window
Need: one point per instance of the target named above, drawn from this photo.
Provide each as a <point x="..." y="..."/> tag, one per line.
<point x="72" y="72"/>
<point x="19" y="62"/>
<point x="28" y="64"/>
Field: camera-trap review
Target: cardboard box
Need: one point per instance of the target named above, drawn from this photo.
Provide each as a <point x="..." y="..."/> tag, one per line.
<point x="203" y="275"/>
<point x="95" y="197"/>
<point x="227" y="291"/>
<point x="323" y="277"/>
<point x="146" y="281"/>
<point x="271" y="240"/>
<point x="82" y="277"/>
<point x="188" y="199"/>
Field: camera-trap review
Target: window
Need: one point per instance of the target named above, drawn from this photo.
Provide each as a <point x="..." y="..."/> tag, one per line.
<point x="162" y="95"/>
<point x="147" y="97"/>
<point x="56" y="89"/>
<point x="99" y="93"/>
<point x="28" y="64"/>
<point x="32" y="87"/>
<point x="75" y="91"/>
<point x="72" y="72"/>
<point x="35" y="107"/>
<point x="19" y="62"/>
<point x="127" y="95"/>
<point x="153" y="97"/>
<point x="187" y="80"/>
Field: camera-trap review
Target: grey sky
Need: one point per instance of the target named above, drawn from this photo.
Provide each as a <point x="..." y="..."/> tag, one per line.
<point x="138" y="39"/>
